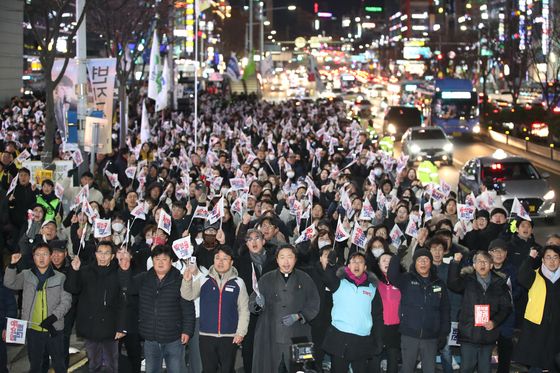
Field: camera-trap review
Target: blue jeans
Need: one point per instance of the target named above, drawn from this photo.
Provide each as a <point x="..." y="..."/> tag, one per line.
<point x="172" y="352"/>
<point x="476" y="356"/>
<point x="446" y="359"/>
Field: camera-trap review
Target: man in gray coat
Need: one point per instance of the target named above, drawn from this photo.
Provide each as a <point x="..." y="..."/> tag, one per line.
<point x="286" y="301"/>
<point x="44" y="304"/>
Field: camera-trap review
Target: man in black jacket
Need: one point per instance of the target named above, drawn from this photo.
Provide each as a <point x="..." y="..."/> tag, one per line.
<point x="424" y="311"/>
<point x="486" y="304"/>
<point x="21" y="199"/>
<point x="254" y="261"/>
<point x="101" y="307"/>
<point x="166" y="321"/>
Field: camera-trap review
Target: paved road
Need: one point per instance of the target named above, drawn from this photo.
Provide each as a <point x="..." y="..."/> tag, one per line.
<point x="466" y="150"/>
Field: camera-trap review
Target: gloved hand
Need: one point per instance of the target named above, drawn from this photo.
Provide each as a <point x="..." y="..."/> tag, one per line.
<point x="442" y="342"/>
<point x="259" y="300"/>
<point x="290" y="319"/>
<point x="48" y="324"/>
<point x="401" y="251"/>
<point x="332" y="258"/>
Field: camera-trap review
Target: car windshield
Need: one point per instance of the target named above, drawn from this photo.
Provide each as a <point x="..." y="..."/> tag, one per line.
<point x="510" y="171"/>
<point x="428" y="134"/>
<point x="406" y="115"/>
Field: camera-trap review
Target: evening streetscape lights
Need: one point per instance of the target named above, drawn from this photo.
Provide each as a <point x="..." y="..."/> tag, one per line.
<point x="267" y="23"/>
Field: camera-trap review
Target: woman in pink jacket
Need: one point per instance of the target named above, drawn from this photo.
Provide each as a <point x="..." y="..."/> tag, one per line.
<point x="391" y="298"/>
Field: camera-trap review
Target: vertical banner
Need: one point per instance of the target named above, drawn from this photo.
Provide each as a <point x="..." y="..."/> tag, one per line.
<point x="101" y="75"/>
<point x="65" y="98"/>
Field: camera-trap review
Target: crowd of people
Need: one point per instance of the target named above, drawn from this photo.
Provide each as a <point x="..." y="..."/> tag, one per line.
<point x="280" y="229"/>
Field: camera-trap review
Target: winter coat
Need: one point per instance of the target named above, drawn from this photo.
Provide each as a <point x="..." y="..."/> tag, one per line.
<point x="224" y="310"/>
<point x="497" y="296"/>
<point x="455" y="298"/>
<point x="321" y="323"/>
<point x="24" y="199"/>
<point x="8" y="305"/>
<point x="244" y="267"/>
<point x="101" y="303"/>
<point x="163" y="315"/>
<point x="354" y="308"/>
<point x="296" y="295"/>
<point x="539" y="343"/>
<point x="518" y="249"/>
<point x="58" y="300"/>
<point x="424" y="308"/>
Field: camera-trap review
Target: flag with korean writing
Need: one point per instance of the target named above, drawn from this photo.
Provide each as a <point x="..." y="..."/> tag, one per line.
<point x="58" y="191"/>
<point x="359" y="237"/>
<point x="217" y="212"/>
<point x="130" y="172"/>
<point x="164" y="222"/>
<point x="77" y="158"/>
<point x="517" y="208"/>
<point x="395" y="235"/>
<point x="438" y="195"/>
<point x="183" y="247"/>
<point x="238" y="183"/>
<point x="428" y="211"/>
<point x="139" y="211"/>
<point x="307" y="234"/>
<point x="412" y="229"/>
<point x="237" y="206"/>
<point x="16" y="331"/>
<point x="13" y="184"/>
<point x="345" y="201"/>
<point x="24" y="155"/>
<point x="341" y="234"/>
<point x="445" y="188"/>
<point x="367" y="212"/>
<point x="101" y="228"/>
<point x="201" y="212"/>
<point x="465" y="212"/>
<point x="113" y="179"/>
<point x="90" y="212"/>
<point x="470" y="200"/>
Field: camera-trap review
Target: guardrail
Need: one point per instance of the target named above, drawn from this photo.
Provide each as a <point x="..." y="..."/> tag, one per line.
<point x="544" y="151"/>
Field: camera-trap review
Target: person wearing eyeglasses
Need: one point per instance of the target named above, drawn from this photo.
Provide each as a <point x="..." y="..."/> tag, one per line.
<point x="44" y="305"/>
<point x="539" y="342"/>
<point x="485" y="306"/>
<point x="101" y="307"/>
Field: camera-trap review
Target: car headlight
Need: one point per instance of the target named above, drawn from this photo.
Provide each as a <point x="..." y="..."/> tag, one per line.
<point x="414" y="148"/>
<point x="448" y="147"/>
<point x="476" y="129"/>
<point x="391" y="128"/>
<point x="549" y="195"/>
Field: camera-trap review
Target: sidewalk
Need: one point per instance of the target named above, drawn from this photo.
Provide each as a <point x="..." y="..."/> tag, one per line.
<point x="18" y="362"/>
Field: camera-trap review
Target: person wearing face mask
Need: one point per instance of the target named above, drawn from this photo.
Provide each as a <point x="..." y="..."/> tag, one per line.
<point x="539" y="342"/>
<point x="119" y="230"/>
<point x="497" y="225"/>
<point x="354" y="335"/>
<point x="309" y="251"/>
<point x="203" y="251"/>
<point x="475" y="239"/>
<point x="374" y="249"/>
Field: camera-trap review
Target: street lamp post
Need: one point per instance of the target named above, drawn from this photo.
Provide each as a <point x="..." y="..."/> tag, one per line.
<point x="291" y="8"/>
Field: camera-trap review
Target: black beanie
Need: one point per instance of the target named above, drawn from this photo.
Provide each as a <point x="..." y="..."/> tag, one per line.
<point x="422" y="252"/>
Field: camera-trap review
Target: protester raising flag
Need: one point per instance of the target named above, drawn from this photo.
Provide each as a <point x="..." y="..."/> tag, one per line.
<point x="307" y="234"/>
<point x="518" y="209"/>
<point x="201" y="212"/>
<point x="367" y="212"/>
<point x="13" y="184"/>
<point x="183" y="247"/>
<point x="341" y="234"/>
<point x="395" y="235"/>
<point x="101" y="228"/>
<point x="217" y="212"/>
<point x="359" y="237"/>
<point x="164" y="222"/>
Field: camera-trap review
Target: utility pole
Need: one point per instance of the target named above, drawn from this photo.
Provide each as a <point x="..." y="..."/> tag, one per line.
<point x="261" y="47"/>
<point x="251" y="26"/>
<point x="81" y="61"/>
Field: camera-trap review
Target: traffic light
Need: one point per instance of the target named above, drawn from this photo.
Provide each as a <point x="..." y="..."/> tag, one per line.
<point x="316" y="7"/>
